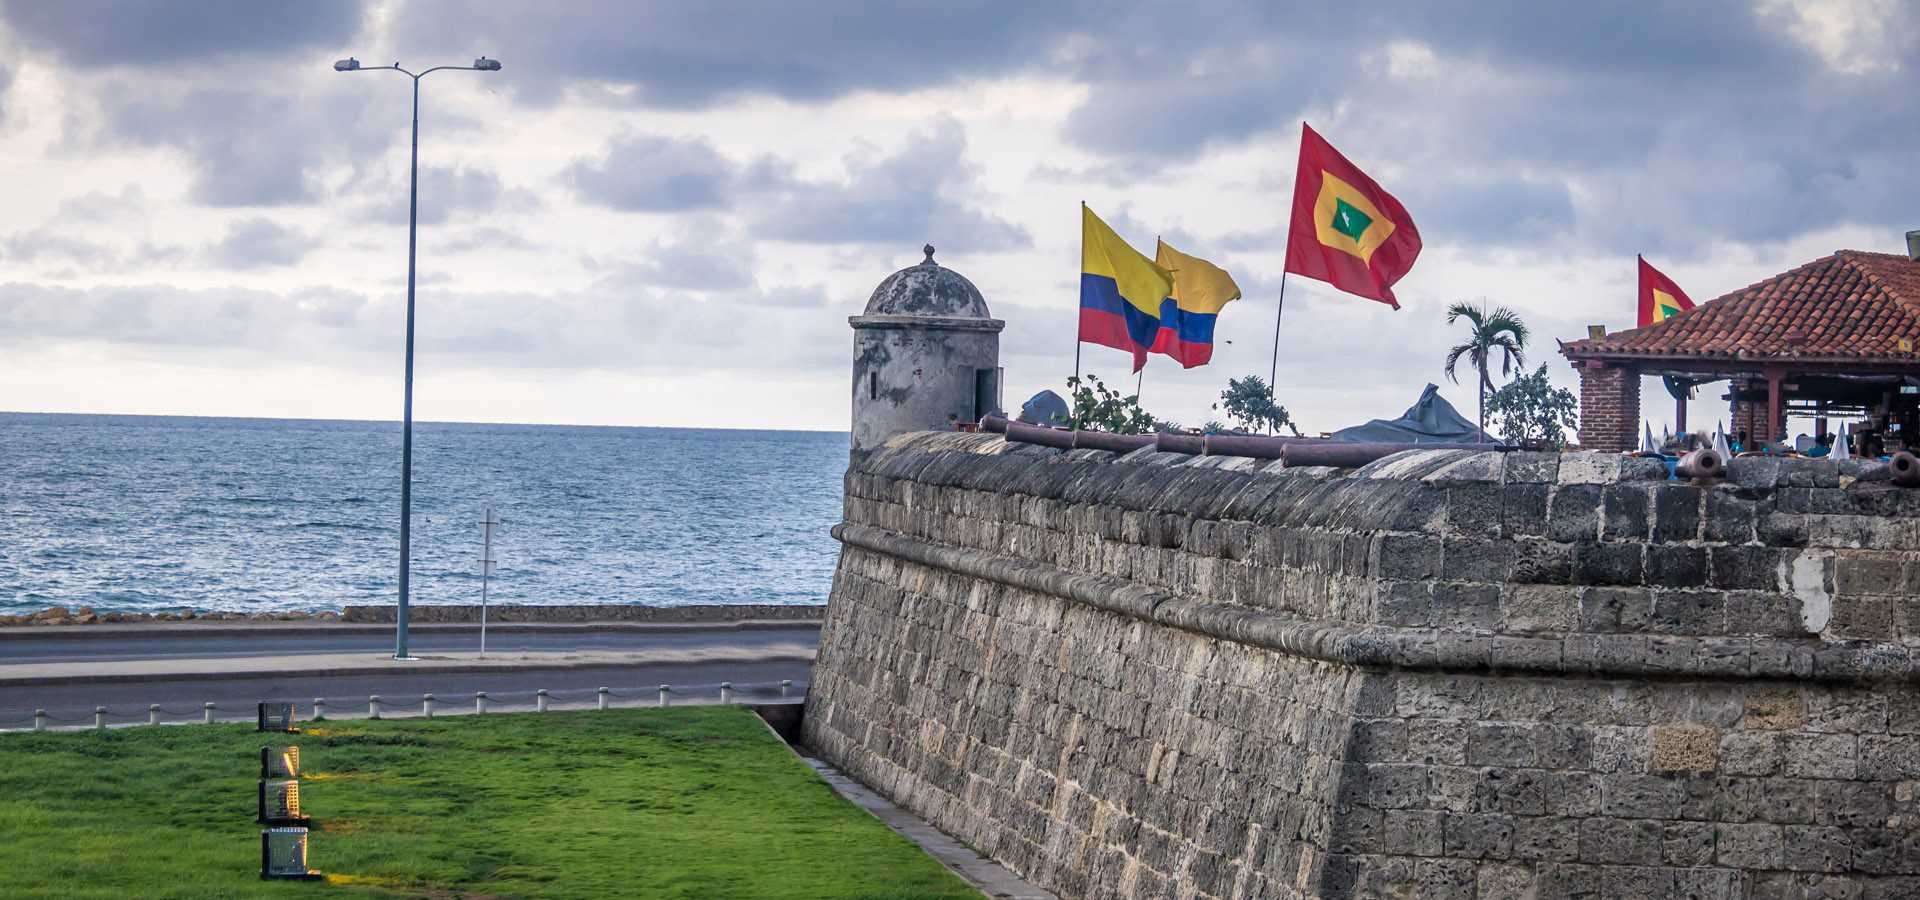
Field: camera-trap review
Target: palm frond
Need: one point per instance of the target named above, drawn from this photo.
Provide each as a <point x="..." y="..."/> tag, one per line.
<point x="1453" y="360"/>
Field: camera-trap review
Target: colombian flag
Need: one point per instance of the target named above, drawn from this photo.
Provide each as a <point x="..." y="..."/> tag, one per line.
<point x="1347" y="231"/>
<point x="1121" y="291"/>
<point x="1200" y="290"/>
<point x="1660" y="298"/>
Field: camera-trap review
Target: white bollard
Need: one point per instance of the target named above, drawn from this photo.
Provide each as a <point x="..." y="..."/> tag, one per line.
<point x="726" y="692"/>
<point x="39" y="720"/>
<point x="373" y="706"/>
<point x="153" y="714"/>
<point x="100" y="717"/>
<point x="786" y="686"/>
<point x="603" y="699"/>
<point x="319" y="708"/>
<point x="426" y="705"/>
<point x="209" y="712"/>
<point x="480" y="702"/>
<point x="666" y="694"/>
<point x="540" y="700"/>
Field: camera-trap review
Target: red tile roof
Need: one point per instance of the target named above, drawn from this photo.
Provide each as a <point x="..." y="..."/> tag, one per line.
<point x="1851" y="305"/>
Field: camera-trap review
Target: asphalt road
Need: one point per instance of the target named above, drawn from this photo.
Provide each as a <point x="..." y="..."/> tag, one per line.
<point x="182" y="699"/>
<point x="420" y="642"/>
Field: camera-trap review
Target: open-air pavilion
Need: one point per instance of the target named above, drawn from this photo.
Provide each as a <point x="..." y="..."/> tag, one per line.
<point x="1834" y="338"/>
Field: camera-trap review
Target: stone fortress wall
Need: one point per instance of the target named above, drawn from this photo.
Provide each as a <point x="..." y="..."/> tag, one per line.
<point x="1447" y="674"/>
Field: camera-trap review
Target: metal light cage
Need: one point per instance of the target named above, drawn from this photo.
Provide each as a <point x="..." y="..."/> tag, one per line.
<point x="283" y="854"/>
<point x="277" y="717"/>
<point x="280" y="803"/>
<point x="279" y="762"/>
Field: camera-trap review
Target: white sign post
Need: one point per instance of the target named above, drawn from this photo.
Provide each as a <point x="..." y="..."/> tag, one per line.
<point x="487" y="562"/>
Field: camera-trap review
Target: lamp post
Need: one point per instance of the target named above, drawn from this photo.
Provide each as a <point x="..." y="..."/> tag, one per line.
<point x="350" y="64"/>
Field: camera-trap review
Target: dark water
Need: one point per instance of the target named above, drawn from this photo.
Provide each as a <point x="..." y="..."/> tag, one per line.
<point x="146" y="513"/>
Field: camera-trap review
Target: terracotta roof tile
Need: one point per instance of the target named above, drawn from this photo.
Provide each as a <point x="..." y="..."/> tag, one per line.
<point x="1851" y="305"/>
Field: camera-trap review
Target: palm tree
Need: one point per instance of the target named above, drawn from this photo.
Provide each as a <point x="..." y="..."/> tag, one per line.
<point x="1500" y="331"/>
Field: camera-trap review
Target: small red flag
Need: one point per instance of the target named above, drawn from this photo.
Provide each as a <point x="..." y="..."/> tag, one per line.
<point x="1660" y="298"/>
<point x="1346" y="230"/>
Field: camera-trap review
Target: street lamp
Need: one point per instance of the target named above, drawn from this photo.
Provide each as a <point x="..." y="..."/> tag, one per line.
<point x="351" y="64"/>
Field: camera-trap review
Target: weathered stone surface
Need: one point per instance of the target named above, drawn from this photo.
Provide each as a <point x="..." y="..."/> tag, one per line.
<point x="1440" y="676"/>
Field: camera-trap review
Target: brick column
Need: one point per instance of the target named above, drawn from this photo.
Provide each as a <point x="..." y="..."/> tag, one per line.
<point x="1609" y="408"/>
<point x="1749" y="416"/>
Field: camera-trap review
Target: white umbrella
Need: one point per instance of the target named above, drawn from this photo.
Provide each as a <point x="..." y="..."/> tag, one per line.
<point x="1842" y="444"/>
<point x="1646" y="442"/>
<point x="1720" y="442"/>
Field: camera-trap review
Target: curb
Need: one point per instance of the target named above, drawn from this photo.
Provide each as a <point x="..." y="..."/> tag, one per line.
<point x="310" y="629"/>
<point x="427" y="667"/>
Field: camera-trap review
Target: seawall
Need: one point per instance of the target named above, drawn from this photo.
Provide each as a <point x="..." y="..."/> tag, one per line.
<point x="1447" y="674"/>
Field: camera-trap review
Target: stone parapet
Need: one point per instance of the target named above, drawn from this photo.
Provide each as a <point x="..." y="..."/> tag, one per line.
<point x="1450" y="673"/>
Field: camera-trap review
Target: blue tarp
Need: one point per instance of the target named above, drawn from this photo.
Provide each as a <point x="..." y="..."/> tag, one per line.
<point x="1431" y="419"/>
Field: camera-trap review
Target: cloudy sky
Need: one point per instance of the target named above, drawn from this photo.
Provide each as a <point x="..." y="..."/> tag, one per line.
<point x="662" y="213"/>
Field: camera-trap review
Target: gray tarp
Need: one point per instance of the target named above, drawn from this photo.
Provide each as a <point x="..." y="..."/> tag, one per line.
<point x="1044" y="408"/>
<point x="1431" y="419"/>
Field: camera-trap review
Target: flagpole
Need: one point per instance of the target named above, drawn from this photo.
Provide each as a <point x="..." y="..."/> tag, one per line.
<point x="1076" y="305"/>
<point x="1273" y="373"/>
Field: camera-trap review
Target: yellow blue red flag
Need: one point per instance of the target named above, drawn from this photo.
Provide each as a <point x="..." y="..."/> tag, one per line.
<point x="1200" y="290"/>
<point x="1121" y="291"/>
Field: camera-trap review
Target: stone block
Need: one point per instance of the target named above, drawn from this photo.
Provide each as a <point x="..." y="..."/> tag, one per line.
<point x="1547" y="839"/>
<point x="1468" y="559"/>
<point x="1406" y="556"/>
<point x="1866" y="575"/>
<point x="1466" y="606"/>
<point x="1409" y="832"/>
<point x="1573" y="513"/>
<point x="1685" y="749"/>
<point x="1609" y="564"/>
<point x="1819" y="755"/>
<point x="1749" y="846"/>
<point x="1676" y="566"/>
<point x="1852" y="804"/>
<point x="1744" y="568"/>
<point x="1478" y="836"/>
<point x="1730" y="517"/>
<point x="1687" y="844"/>
<point x="1817" y="848"/>
<point x="1676" y="512"/>
<point x="1615" y="609"/>
<point x="1626" y="511"/>
<point x="1541" y="608"/>
<point x="1750" y="753"/>
<point x="1542" y="562"/>
<point x="1523" y="510"/>
<point x="1474" y="510"/>
<point x="1621" y="842"/>
<point x="1781" y="708"/>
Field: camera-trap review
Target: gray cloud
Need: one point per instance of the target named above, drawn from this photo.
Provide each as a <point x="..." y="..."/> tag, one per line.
<point x="484" y="238"/>
<point x="651" y="173"/>
<point x="110" y="33"/>
<point x="446" y="193"/>
<point x="259" y="243"/>
<point x="687" y="55"/>
<point x="926" y="188"/>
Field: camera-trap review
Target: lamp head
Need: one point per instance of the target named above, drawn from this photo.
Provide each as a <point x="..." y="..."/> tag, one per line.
<point x="346" y="65"/>
<point x="487" y="65"/>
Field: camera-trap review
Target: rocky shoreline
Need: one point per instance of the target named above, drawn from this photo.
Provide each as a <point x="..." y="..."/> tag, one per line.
<point x="86" y="615"/>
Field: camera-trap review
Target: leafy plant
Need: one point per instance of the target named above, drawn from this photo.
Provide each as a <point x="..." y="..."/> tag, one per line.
<point x="1530" y="408"/>
<point x="1249" y="403"/>
<point x="1498" y="333"/>
<point x="1098" y="407"/>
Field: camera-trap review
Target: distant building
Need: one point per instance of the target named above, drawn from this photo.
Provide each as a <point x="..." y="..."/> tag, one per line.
<point x="1835" y="337"/>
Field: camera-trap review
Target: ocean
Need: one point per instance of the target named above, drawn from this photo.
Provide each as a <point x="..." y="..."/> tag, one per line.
<point x="159" y="513"/>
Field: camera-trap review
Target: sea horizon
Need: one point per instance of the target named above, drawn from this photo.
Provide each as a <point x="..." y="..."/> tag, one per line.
<point x="147" y="513"/>
<point x="397" y="423"/>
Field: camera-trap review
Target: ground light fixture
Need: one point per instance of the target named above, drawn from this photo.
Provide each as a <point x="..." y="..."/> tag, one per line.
<point x="279" y="762"/>
<point x="280" y="803"/>
<point x="351" y="64"/>
<point x="276" y="717"/>
<point x="283" y="855"/>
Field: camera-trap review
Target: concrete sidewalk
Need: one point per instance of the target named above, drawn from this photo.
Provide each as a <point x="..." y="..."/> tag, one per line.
<point x="329" y="664"/>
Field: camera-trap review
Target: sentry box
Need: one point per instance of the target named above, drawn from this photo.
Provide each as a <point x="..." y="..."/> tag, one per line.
<point x="280" y="803"/>
<point x="279" y="762"/>
<point x="283" y="855"/>
<point x="277" y="717"/>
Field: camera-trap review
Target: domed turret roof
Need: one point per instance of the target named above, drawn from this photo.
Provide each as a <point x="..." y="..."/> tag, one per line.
<point x="928" y="289"/>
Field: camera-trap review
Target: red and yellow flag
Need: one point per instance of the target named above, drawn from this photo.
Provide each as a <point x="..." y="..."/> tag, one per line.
<point x="1660" y="298"/>
<point x="1346" y="230"/>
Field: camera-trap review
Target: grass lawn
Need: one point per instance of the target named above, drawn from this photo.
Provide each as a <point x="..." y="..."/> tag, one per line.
<point x="695" y="803"/>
